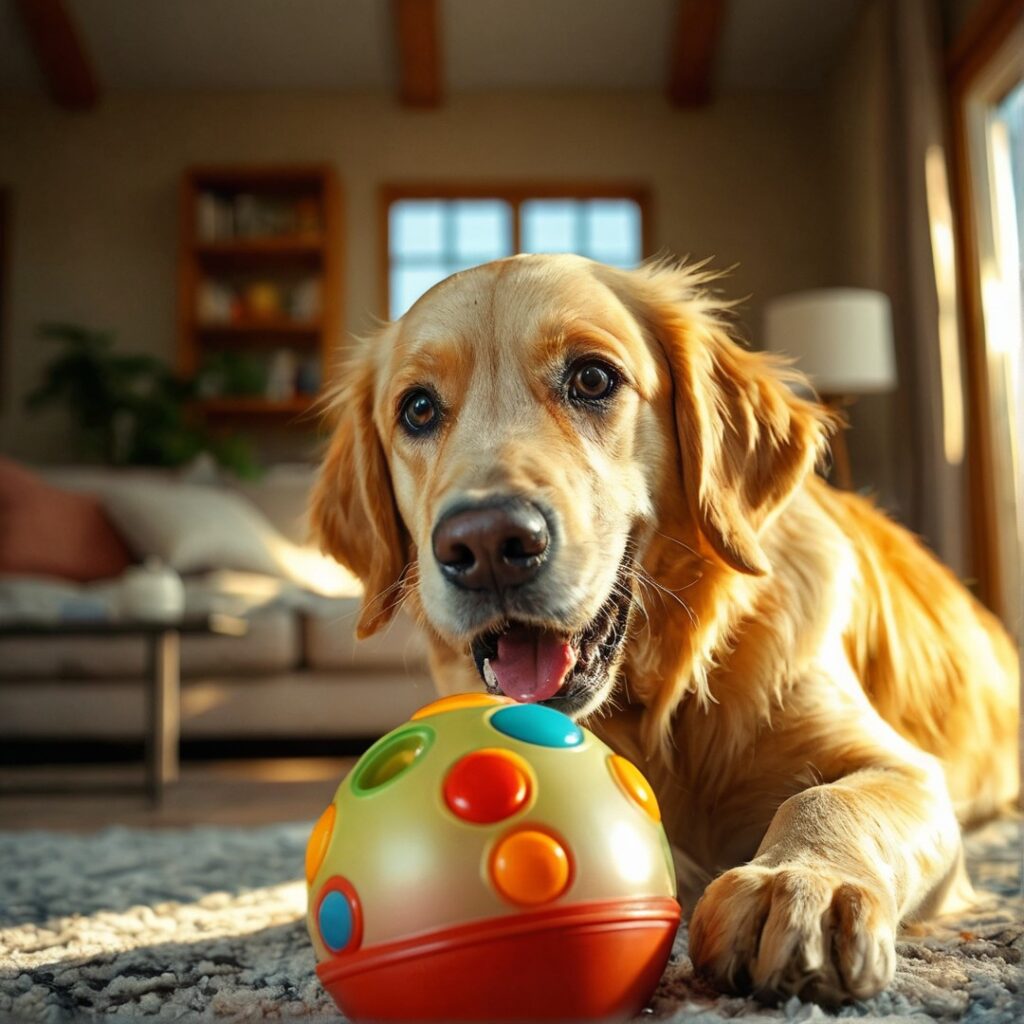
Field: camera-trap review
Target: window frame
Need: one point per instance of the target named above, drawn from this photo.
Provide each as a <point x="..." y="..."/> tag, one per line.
<point x="513" y="193"/>
<point x="976" y="83"/>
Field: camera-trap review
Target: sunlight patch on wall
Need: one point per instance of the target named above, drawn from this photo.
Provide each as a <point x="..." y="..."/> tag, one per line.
<point x="940" y="220"/>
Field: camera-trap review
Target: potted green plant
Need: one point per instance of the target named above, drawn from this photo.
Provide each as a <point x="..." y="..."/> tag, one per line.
<point x="128" y="409"/>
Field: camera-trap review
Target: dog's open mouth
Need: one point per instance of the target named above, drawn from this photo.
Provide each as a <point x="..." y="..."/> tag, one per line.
<point x="532" y="663"/>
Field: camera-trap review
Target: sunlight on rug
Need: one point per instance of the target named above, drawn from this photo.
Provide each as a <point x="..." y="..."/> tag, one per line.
<point x="207" y="924"/>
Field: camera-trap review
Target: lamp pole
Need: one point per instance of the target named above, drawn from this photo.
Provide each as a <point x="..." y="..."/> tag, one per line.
<point x="842" y="475"/>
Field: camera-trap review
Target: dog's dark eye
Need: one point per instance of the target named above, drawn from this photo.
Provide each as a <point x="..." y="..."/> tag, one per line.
<point x="591" y="382"/>
<point x="419" y="411"/>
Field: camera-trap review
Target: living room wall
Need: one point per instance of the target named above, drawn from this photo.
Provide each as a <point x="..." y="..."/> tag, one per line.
<point x="861" y="148"/>
<point x="94" y="195"/>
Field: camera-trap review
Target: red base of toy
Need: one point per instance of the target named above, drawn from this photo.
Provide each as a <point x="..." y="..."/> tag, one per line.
<point x="597" y="961"/>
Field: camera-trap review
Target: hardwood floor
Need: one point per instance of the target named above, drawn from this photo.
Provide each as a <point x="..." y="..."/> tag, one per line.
<point x="243" y="792"/>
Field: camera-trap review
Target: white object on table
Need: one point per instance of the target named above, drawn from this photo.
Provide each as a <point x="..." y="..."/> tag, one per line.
<point x="152" y="592"/>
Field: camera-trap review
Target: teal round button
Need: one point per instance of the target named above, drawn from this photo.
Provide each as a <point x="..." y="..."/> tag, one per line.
<point x="336" y="921"/>
<point x="534" y="723"/>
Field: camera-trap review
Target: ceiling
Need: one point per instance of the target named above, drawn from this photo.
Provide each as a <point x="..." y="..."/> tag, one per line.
<point x="293" y="45"/>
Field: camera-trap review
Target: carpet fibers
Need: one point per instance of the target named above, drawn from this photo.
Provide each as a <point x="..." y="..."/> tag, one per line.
<point x="206" y="924"/>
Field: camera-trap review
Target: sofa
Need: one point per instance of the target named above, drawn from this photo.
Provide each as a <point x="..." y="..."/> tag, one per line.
<point x="240" y="548"/>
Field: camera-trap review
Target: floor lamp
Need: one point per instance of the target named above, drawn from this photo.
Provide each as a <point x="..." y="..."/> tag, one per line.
<point x="842" y="339"/>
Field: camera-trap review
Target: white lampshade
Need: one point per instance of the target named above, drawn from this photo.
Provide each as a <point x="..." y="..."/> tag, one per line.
<point x="840" y="337"/>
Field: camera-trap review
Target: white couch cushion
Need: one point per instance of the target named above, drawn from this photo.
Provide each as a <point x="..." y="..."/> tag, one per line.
<point x="282" y="495"/>
<point x="303" y="704"/>
<point x="331" y="640"/>
<point x="191" y="527"/>
<point x="271" y="645"/>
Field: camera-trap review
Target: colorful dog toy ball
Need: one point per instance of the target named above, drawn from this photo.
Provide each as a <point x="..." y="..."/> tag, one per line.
<point x="491" y="861"/>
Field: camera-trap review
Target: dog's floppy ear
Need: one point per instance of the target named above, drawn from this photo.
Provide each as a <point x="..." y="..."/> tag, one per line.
<point x="353" y="512"/>
<point x="746" y="441"/>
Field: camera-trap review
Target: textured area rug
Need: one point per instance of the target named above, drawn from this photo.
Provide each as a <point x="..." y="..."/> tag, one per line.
<point x="206" y="924"/>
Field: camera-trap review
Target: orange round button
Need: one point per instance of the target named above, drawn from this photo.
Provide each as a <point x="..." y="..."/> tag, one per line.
<point x="459" y="701"/>
<point x="319" y="840"/>
<point x="487" y="786"/>
<point x="634" y="785"/>
<point x="530" y="867"/>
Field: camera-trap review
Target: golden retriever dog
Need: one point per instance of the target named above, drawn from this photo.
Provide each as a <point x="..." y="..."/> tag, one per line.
<point x="588" y="495"/>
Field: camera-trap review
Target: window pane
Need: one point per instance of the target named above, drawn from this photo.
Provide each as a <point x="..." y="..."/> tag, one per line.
<point x="483" y="229"/>
<point x="613" y="233"/>
<point x="409" y="283"/>
<point x="417" y="228"/>
<point x="550" y="225"/>
<point x="1011" y="111"/>
<point x="428" y="239"/>
<point x="1003" y="303"/>
<point x="464" y="264"/>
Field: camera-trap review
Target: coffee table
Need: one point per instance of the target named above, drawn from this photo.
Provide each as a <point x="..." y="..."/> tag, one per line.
<point x="163" y="691"/>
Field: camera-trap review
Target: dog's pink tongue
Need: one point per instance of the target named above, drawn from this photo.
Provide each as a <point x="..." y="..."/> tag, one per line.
<point x="530" y="665"/>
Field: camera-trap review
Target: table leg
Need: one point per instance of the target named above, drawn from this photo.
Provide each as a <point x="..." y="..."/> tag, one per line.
<point x="164" y="712"/>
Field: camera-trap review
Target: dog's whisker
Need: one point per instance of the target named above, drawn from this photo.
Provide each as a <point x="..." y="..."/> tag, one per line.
<point x="642" y="573"/>
<point x="682" y="544"/>
<point x="633" y="595"/>
<point x="407" y="578"/>
<point x="643" y="587"/>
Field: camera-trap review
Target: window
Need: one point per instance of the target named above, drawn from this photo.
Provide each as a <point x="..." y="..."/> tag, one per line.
<point x="432" y="235"/>
<point x="988" y="102"/>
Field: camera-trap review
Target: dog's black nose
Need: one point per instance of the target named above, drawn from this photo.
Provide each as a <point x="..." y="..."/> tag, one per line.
<point x="491" y="547"/>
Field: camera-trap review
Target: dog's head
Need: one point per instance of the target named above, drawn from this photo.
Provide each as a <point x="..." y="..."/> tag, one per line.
<point x="505" y="453"/>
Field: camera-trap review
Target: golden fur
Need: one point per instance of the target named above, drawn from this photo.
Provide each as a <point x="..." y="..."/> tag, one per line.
<point x="815" y="699"/>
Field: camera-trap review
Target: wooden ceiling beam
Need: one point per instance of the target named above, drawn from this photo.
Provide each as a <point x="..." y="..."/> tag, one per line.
<point x="694" y="50"/>
<point x="60" y="53"/>
<point x="418" y="34"/>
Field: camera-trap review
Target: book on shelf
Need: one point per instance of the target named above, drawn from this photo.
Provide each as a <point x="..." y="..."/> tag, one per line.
<point x="248" y="215"/>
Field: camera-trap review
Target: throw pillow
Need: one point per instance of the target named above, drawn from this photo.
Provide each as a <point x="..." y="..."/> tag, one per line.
<point x="192" y="527"/>
<point x="45" y="531"/>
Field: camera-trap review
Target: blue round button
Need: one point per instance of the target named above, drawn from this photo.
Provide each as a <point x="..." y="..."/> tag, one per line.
<point x="534" y="723"/>
<point x="336" y="924"/>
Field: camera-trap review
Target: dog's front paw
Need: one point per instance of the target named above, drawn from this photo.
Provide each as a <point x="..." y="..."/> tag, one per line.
<point x="794" y="931"/>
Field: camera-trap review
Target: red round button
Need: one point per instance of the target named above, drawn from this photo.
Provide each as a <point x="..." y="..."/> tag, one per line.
<point x="487" y="786"/>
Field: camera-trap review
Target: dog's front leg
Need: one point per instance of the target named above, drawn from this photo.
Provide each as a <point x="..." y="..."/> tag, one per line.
<point x="815" y="912"/>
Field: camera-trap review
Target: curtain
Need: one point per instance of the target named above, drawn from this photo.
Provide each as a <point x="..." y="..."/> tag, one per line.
<point x="921" y="276"/>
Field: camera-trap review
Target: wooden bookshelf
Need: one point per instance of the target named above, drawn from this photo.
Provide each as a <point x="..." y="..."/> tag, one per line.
<point x="277" y="327"/>
<point x="245" y="406"/>
<point x="260" y="247"/>
<point x="259" y="284"/>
